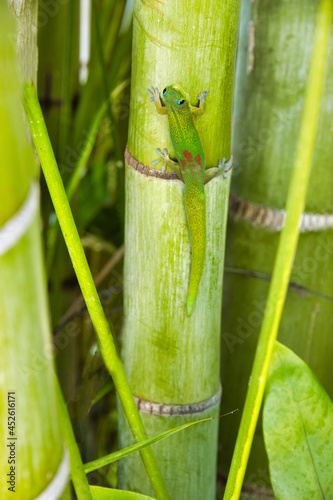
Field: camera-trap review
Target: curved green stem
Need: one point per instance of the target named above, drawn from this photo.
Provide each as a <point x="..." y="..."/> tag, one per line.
<point x="89" y="292"/>
<point x="78" y="474"/>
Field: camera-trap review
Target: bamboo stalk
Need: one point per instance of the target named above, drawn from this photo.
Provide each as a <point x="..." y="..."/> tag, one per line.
<point x="171" y="359"/>
<point x="267" y="120"/>
<point x="26" y="37"/>
<point x="32" y="448"/>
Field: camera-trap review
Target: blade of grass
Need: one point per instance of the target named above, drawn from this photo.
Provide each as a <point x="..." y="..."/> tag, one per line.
<point x="285" y="254"/>
<point x="82" y="271"/>
<point x="118" y="455"/>
<point x="101" y="493"/>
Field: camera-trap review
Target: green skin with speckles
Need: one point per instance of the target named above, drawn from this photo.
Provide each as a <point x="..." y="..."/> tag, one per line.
<point x="190" y="167"/>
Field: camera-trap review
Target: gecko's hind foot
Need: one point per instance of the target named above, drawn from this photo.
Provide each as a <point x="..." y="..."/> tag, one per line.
<point x="226" y="166"/>
<point x="164" y="156"/>
<point x="222" y="168"/>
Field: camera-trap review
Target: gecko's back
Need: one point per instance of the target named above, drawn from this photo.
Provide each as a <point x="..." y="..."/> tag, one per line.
<point x="189" y="153"/>
<point x="184" y="137"/>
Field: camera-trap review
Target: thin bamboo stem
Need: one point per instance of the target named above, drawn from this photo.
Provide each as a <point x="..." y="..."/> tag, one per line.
<point x="81" y="268"/>
<point x="78" y="474"/>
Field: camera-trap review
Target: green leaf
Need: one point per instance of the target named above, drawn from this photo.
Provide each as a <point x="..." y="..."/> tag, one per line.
<point x="114" y="457"/>
<point x="298" y="430"/>
<point x="99" y="493"/>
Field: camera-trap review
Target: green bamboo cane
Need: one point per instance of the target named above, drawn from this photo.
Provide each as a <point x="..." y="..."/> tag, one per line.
<point x="81" y="268"/>
<point x="172" y="361"/>
<point x="26" y="14"/>
<point x="286" y="252"/>
<point x="32" y="450"/>
<point x="274" y="54"/>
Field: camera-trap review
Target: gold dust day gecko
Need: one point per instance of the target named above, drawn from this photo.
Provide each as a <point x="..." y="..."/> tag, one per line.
<point x="190" y="167"/>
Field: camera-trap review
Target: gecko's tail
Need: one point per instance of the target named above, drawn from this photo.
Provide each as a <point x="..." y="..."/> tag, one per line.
<point x="196" y="220"/>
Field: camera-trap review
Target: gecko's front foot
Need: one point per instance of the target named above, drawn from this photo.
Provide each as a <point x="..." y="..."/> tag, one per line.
<point x="197" y="111"/>
<point x="154" y="94"/>
<point x="202" y="96"/>
<point x="156" y="98"/>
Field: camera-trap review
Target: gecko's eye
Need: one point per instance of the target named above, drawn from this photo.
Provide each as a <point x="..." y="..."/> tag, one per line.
<point x="164" y="92"/>
<point x="181" y="101"/>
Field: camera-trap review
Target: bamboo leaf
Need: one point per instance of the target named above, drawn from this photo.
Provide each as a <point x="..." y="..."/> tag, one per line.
<point x="107" y="387"/>
<point x="298" y="429"/>
<point x="114" y="457"/>
<point x="100" y="493"/>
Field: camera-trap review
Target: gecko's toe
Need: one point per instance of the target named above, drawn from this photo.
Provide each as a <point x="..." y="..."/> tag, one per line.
<point x="226" y="166"/>
<point x="203" y="94"/>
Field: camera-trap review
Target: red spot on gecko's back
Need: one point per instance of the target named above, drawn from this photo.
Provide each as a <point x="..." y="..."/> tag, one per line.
<point x="183" y="163"/>
<point x="188" y="156"/>
<point x="198" y="160"/>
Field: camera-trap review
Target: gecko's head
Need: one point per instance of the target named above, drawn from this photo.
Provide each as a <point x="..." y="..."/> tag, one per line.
<point x="175" y="97"/>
